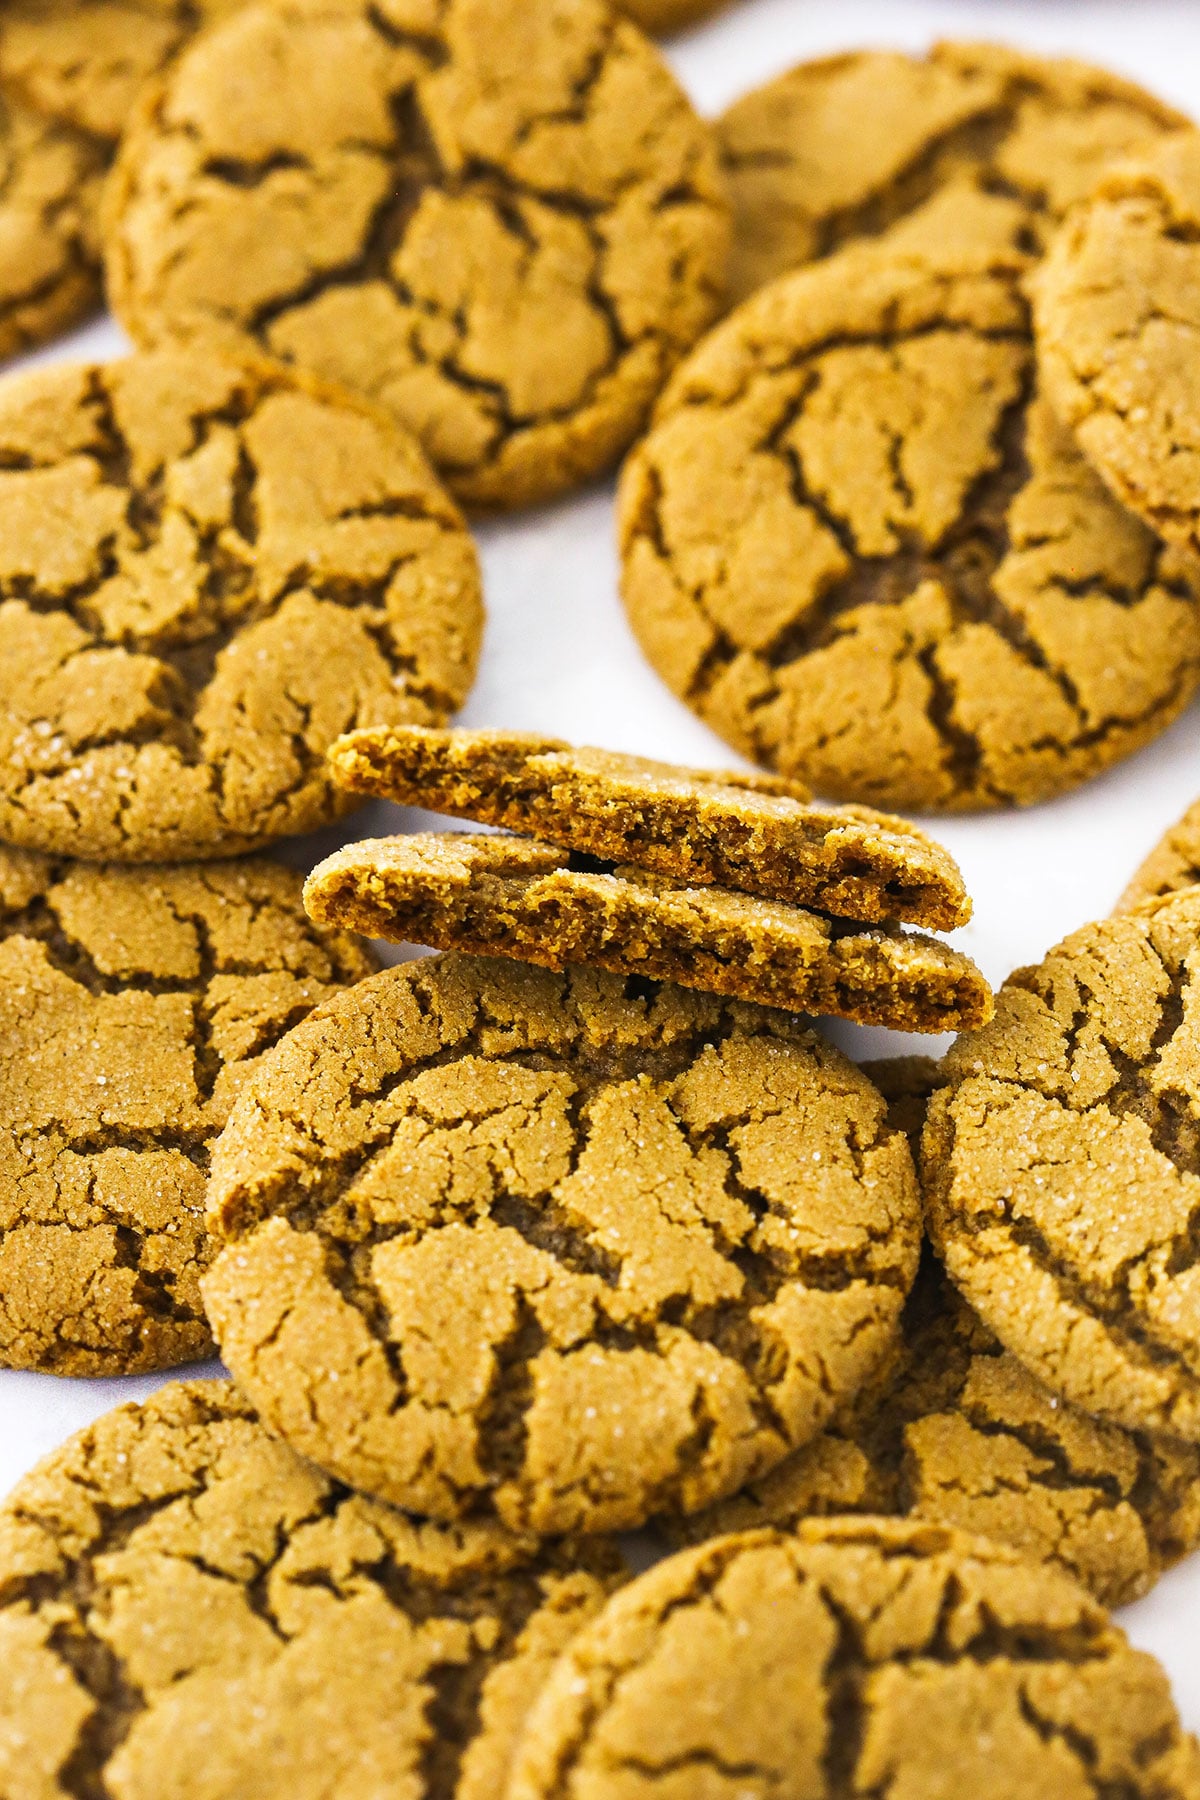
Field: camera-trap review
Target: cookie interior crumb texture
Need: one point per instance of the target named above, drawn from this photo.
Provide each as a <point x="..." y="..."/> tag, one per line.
<point x="1062" y="1173"/>
<point x="844" y="146"/>
<point x="503" y="221"/>
<point x="753" y="832"/>
<point x="134" y="1005"/>
<point x="854" y="1657"/>
<point x="859" y="545"/>
<point x="208" y="570"/>
<point x="187" y="1608"/>
<point x="510" y="896"/>
<point x="563" y="1249"/>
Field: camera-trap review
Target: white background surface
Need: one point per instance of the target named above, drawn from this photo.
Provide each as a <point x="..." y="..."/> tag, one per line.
<point x="559" y="656"/>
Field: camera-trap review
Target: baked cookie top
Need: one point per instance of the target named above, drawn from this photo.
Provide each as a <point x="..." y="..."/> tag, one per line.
<point x="858" y="544"/>
<point x="855" y="1656"/>
<point x="50" y="181"/>
<point x="1119" y="330"/>
<point x="510" y="896"/>
<point x="186" y="1607"/>
<point x="208" y="570"/>
<point x="955" y="1430"/>
<point x="1062" y="1168"/>
<point x="502" y="221"/>
<point x="844" y="146"/>
<point x="561" y="1249"/>
<point x="1174" y="863"/>
<point x="134" y="1004"/>
<point x="755" y="832"/>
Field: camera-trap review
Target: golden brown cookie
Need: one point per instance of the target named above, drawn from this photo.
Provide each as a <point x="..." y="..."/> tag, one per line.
<point x="844" y="146"/>
<point x="502" y="221"/>
<point x="955" y="1430"/>
<point x="208" y="570"/>
<point x="561" y="1249"/>
<point x="858" y="544"/>
<point x="662" y="16"/>
<point x="189" y="1609"/>
<point x="510" y="896"/>
<point x="1062" y="1168"/>
<point x="1119" y="333"/>
<point x="854" y="1657"/>
<point x="50" y="180"/>
<point x="1174" y="863"/>
<point x="134" y="1005"/>
<point x="709" y="827"/>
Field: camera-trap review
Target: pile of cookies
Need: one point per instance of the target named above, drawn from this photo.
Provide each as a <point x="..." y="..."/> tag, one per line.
<point x="580" y="1228"/>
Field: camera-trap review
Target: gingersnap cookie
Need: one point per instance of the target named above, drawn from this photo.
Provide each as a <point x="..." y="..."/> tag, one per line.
<point x="713" y="828"/>
<point x="504" y="222"/>
<point x="855" y="1656"/>
<point x="134" y="1005"/>
<point x="844" y="146"/>
<point x="190" y="1608"/>
<point x="1174" y="863"/>
<point x="1119" y="332"/>
<point x="50" y="180"/>
<point x="564" y="1250"/>
<point x="510" y="896"/>
<point x="208" y="570"/>
<point x="859" y="545"/>
<point x="955" y="1430"/>
<point x="1062" y="1168"/>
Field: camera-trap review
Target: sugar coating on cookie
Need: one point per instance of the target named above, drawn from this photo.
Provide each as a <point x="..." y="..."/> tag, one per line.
<point x="562" y="1249"/>
<point x="844" y="146"/>
<point x="187" y="1607"/>
<point x="1174" y="863"/>
<point x="859" y="545"/>
<point x="1119" y="333"/>
<point x="955" y="1430"/>
<point x="1062" y="1168"/>
<point x="134" y="1004"/>
<point x="504" y="222"/>
<point x="208" y="570"/>
<point x="511" y="896"/>
<point x="50" y="181"/>
<point x="751" y="831"/>
<point x="854" y="1657"/>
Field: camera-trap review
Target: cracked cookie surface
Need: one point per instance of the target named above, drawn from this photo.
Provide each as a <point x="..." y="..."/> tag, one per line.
<point x="134" y="1004"/>
<point x="953" y="1429"/>
<point x="1119" y="332"/>
<point x="562" y="1249"/>
<point x="510" y="896"/>
<point x="1174" y="863"/>
<point x="503" y="222"/>
<point x="844" y="146"/>
<point x="208" y="570"/>
<point x="755" y="832"/>
<point x="1062" y="1168"/>
<point x="855" y="1657"/>
<point x="857" y="543"/>
<point x="50" y="180"/>
<point x="188" y="1608"/>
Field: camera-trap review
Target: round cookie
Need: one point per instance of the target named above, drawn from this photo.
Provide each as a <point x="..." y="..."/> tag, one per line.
<point x="208" y="570"/>
<point x="134" y="1005"/>
<point x="50" y="180"/>
<point x="955" y="1430"/>
<point x="1119" y="333"/>
<point x="188" y="1608"/>
<point x="504" y="222"/>
<point x="1174" y="863"/>
<point x="859" y="545"/>
<point x="562" y="1249"/>
<point x="854" y="1657"/>
<point x="842" y="147"/>
<point x="1062" y="1168"/>
<point x="663" y="16"/>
